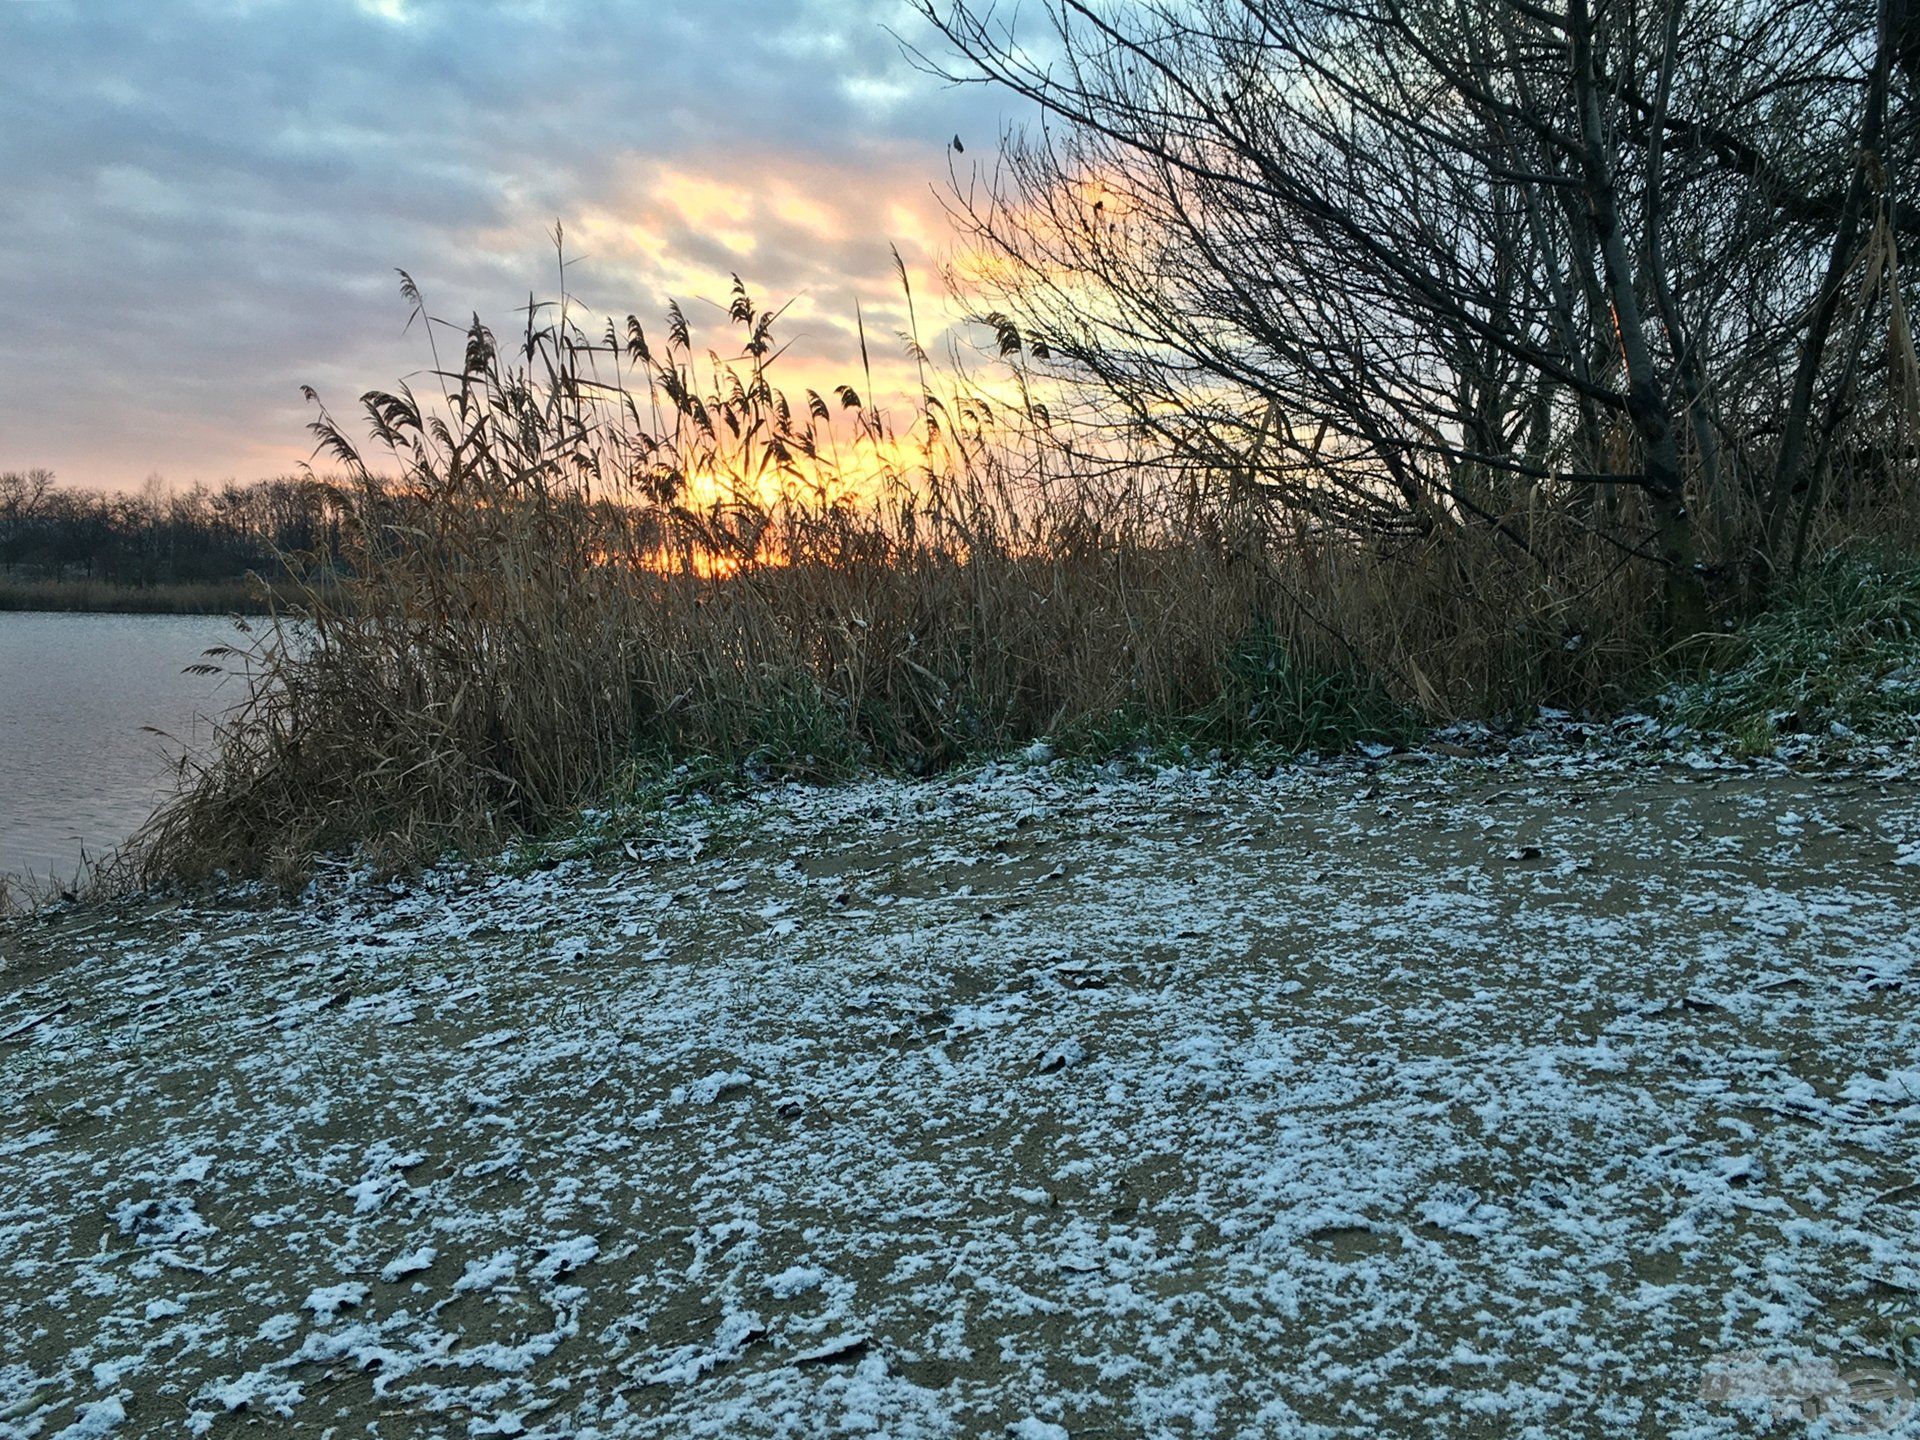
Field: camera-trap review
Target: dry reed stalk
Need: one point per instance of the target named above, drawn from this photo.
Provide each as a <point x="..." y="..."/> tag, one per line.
<point x="589" y="560"/>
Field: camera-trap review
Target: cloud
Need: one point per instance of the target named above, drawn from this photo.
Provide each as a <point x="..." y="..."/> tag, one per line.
<point x="207" y="199"/>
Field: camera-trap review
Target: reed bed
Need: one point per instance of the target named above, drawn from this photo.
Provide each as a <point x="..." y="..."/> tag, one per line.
<point x="583" y="560"/>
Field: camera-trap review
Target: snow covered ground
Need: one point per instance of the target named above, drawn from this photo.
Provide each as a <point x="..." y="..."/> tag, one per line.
<point x="1544" y="1094"/>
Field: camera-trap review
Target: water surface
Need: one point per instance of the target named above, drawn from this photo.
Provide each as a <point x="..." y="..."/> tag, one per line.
<point x="78" y="770"/>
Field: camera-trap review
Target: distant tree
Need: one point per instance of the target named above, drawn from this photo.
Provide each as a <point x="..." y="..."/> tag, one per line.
<point x="22" y="495"/>
<point x="160" y="535"/>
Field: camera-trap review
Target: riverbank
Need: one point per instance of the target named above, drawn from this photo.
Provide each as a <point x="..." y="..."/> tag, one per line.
<point x="223" y="597"/>
<point x="1561" y="1090"/>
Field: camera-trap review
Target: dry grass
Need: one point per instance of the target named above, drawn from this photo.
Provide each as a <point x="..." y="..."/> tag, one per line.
<point x="587" y="560"/>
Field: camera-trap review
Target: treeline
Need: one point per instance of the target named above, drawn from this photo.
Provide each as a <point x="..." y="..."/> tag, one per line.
<point x="54" y="534"/>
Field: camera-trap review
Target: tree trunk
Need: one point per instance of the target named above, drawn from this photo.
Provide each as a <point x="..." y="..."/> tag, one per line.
<point x="1647" y="407"/>
<point x="1790" y="469"/>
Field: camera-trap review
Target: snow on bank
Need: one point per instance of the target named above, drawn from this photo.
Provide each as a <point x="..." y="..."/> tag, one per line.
<point x="1534" y="1096"/>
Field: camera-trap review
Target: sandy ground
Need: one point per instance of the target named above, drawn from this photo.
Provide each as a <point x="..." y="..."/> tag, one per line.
<point x="1547" y="1094"/>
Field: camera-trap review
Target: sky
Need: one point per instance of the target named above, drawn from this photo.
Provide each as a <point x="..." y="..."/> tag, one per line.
<point x="205" y="201"/>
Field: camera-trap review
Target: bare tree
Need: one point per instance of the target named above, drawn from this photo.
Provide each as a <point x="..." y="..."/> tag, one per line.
<point x="22" y="492"/>
<point x="1422" y="263"/>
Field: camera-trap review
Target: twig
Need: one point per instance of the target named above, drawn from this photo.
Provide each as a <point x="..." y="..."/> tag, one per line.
<point x="38" y="1020"/>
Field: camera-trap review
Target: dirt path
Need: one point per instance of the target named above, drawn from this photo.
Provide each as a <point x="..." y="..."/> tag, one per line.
<point x="1544" y="1096"/>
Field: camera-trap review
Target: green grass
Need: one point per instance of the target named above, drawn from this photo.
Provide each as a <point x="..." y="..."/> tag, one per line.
<point x="652" y="791"/>
<point x="1268" y="706"/>
<point x="1836" y="659"/>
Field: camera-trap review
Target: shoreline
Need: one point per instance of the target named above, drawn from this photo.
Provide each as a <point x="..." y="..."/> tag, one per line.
<point x="94" y="597"/>
<point x="1633" y="744"/>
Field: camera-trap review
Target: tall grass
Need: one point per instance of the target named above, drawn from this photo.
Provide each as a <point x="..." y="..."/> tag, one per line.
<point x="582" y="558"/>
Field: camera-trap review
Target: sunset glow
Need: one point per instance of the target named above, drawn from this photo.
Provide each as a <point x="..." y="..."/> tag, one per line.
<point x="187" y="242"/>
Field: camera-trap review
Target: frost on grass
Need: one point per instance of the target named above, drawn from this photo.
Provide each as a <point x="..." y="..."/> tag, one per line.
<point x="1532" y="1095"/>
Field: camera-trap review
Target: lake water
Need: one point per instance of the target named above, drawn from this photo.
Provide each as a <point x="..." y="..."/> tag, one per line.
<point x="77" y="770"/>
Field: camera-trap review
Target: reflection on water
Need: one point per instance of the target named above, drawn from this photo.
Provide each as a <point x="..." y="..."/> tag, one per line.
<point x="77" y="770"/>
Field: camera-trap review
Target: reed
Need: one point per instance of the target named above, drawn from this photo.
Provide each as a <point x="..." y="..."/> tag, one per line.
<point x="585" y="558"/>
